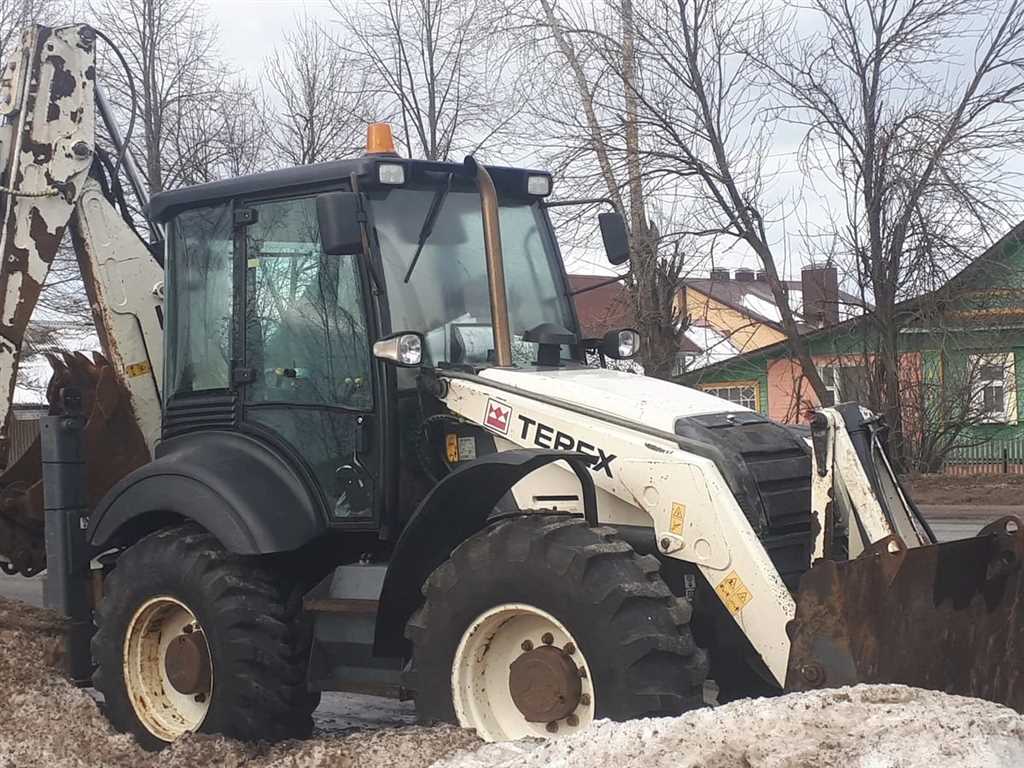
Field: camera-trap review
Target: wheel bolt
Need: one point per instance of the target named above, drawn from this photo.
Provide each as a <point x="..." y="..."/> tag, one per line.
<point x="583" y="672"/>
<point x="572" y="721"/>
<point x="585" y="699"/>
<point x="552" y="727"/>
<point x="200" y="697"/>
<point x="527" y="645"/>
<point x="547" y="638"/>
<point x="188" y="629"/>
<point x="569" y="648"/>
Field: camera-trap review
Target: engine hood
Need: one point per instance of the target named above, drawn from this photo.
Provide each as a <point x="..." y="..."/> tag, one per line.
<point x="653" y="402"/>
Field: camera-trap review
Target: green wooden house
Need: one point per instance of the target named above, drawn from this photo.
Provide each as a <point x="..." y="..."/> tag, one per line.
<point x="961" y="352"/>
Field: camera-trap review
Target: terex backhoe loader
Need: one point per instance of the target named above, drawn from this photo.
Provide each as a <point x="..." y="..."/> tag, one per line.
<point x="357" y="448"/>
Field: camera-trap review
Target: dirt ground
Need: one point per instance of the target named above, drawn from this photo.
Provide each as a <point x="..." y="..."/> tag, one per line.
<point x="47" y="722"/>
<point x="980" y="490"/>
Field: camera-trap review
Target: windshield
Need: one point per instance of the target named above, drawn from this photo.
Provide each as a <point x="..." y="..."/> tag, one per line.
<point x="446" y="298"/>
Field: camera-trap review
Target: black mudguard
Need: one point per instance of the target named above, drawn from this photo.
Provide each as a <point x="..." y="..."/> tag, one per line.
<point x="232" y="484"/>
<point x="457" y="507"/>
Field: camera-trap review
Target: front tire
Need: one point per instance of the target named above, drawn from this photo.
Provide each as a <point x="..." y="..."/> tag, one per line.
<point x="537" y="582"/>
<point x="243" y="669"/>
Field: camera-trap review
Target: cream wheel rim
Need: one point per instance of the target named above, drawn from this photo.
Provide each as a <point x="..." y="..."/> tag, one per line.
<point x="166" y="712"/>
<point x="483" y="680"/>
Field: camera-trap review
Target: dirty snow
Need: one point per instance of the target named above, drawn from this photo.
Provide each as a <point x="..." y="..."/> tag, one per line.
<point x="867" y="726"/>
<point x="48" y="722"/>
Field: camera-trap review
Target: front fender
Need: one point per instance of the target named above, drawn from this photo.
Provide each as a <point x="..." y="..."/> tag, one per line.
<point x="230" y="483"/>
<point x="455" y="509"/>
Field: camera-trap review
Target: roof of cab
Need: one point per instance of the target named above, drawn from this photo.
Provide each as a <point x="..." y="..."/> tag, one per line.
<point x="318" y="177"/>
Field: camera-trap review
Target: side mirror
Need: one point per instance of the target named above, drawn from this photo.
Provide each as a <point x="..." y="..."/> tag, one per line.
<point x="338" y="215"/>
<point x="402" y="349"/>
<point x="614" y="236"/>
<point x="621" y="345"/>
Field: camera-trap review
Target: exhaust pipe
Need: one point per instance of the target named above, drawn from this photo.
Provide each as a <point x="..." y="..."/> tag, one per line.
<point x="495" y="264"/>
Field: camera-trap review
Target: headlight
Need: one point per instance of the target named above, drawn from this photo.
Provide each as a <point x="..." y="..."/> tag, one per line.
<point x="538" y="185"/>
<point x="621" y="345"/>
<point x="391" y="173"/>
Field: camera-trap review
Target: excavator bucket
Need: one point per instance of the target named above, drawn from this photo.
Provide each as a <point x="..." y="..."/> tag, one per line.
<point x="113" y="444"/>
<point x="948" y="617"/>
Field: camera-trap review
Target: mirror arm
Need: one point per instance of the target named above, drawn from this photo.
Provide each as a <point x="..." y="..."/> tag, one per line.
<point x="602" y="284"/>
<point x="581" y="201"/>
<point x="364" y="229"/>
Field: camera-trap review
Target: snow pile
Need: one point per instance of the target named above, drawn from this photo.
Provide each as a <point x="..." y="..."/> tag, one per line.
<point x="45" y="721"/>
<point x="867" y="726"/>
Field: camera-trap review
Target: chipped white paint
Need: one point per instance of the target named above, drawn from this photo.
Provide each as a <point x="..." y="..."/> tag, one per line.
<point x="47" y="148"/>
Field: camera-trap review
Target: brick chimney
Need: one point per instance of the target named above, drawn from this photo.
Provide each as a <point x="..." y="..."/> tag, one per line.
<point x="719" y="274"/>
<point x="744" y="275"/>
<point x="820" y="286"/>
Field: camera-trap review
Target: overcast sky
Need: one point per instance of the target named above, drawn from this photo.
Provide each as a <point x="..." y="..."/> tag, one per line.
<point x="250" y="29"/>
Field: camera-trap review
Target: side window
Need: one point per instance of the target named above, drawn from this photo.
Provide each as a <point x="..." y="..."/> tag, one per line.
<point x="199" y="301"/>
<point x="306" y="336"/>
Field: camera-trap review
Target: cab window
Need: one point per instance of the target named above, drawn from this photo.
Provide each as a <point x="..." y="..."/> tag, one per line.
<point x="306" y="339"/>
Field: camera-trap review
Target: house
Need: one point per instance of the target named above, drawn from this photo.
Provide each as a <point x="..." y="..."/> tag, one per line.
<point x="727" y="314"/>
<point x="961" y="351"/>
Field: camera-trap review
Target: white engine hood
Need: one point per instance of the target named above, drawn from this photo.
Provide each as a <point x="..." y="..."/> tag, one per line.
<point x="653" y="402"/>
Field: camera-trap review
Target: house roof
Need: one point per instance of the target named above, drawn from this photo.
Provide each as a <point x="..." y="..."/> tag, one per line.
<point x="754" y="298"/>
<point x="993" y="256"/>
<point x="607" y="308"/>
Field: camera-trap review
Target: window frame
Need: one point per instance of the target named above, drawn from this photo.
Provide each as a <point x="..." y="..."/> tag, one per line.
<point x="1006" y="361"/>
<point x="751" y="383"/>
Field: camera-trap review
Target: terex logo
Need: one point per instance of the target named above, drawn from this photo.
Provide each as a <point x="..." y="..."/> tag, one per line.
<point x="498" y="416"/>
<point x="548" y="437"/>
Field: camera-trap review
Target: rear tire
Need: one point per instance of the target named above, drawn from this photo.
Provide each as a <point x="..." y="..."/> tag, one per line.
<point x="632" y="632"/>
<point x="257" y="642"/>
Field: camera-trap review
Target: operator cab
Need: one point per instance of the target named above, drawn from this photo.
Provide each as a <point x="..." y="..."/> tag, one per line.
<point x="280" y="284"/>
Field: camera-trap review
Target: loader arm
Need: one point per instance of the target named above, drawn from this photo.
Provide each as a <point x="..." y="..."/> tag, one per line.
<point x="53" y="180"/>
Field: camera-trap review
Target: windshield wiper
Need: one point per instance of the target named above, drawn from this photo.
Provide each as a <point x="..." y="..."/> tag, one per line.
<point x="428" y="224"/>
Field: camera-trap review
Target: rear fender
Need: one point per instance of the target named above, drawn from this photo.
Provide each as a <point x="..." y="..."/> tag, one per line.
<point x="458" y="507"/>
<point x="230" y="483"/>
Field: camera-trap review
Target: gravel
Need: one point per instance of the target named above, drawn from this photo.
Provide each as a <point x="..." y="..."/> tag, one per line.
<point x="48" y="722"/>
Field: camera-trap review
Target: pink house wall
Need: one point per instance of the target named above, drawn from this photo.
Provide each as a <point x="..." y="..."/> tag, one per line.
<point x="791" y="399"/>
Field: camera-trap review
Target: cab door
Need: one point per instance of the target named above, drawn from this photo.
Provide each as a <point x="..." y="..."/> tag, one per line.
<point x="307" y="375"/>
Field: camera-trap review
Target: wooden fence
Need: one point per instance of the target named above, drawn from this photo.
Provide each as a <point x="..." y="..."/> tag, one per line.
<point x="993" y="457"/>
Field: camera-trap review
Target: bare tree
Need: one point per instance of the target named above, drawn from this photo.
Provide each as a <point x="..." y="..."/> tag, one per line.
<point x="178" y="77"/>
<point x="16" y="15"/>
<point x="586" y="108"/>
<point x="912" y="110"/>
<point x="438" y="68"/>
<point x="323" y="100"/>
<point x="703" y="116"/>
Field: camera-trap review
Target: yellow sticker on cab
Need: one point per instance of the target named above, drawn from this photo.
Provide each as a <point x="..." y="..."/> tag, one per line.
<point x="452" y="448"/>
<point x="733" y="592"/>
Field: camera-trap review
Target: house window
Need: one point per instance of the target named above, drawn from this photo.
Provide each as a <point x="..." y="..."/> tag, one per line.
<point x="743" y="393"/>
<point x="844" y="383"/>
<point x="994" y="391"/>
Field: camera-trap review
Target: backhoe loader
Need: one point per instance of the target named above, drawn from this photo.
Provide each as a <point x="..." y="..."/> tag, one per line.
<point x="342" y="436"/>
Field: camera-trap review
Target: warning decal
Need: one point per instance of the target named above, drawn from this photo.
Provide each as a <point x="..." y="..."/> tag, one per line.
<point x="733" y="592"/>
<point x="675" y="523"/>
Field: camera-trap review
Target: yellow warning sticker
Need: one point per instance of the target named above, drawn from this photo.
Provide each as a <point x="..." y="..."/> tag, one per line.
<point x="452" y="448"/>
<point x="675" y="523"/>
<point x="733" y="592"/>
<point x="138" y="369"/>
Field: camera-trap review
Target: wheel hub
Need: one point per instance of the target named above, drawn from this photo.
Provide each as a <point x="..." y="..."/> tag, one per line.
<point x="187" y="663"/>
<point x="545" y="684"/>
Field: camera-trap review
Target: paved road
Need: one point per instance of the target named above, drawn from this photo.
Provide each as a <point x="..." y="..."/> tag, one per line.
<point x="343" y="712"/>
